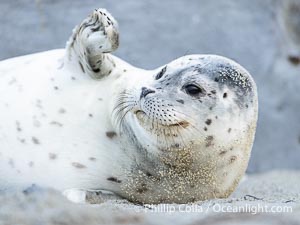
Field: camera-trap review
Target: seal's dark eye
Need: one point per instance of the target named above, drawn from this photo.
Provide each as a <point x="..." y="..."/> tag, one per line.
<point x="193" y="90"/>
<point x="161" y="73"/>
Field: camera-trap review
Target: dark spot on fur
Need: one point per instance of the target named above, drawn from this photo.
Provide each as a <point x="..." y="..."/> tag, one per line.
<point x="100" y="99"/>
<point x="92" y="159"/>
<point x="142" y="189"/>
<point x="11" y="163"/>
<point x="38" y="104"/>
<point x="216" y="79"/>
<point x="13" y="81"/>
<point x="22" y="140"/>
<point x="18" y="126"/>
<point x="73" y="78"/>
<point x="176" y="145"/>
<point x="55" y="88"/>
<point x="213" y="92"/>
<point x="35" y="140"/>
<point x="62" y="110"/>
<point x="232" y="159"/>
<point x="229" y="130"/>
<point x="180" y="101"/>
<point x="111" y="134"/>
<point x="208" y="121"/>
<point x="114" y="179"/>
<point x="56" y="123"/>
<point x="31" y="164"/>
<point x="222" y="152"/>
<point x="205" y="128"/>
<point x="209" y="140"/>
<point x="78" y="165"/>
<point x="81" y="66"/>
<point x="295" y="60"/>
<point x="91" y="115"/>
<point x="225" y="95"/>
<point x="216" y="117"/>
<point x="52" y="156"/>
<point x="210" y="108"/>
<point x="124" y="71"/>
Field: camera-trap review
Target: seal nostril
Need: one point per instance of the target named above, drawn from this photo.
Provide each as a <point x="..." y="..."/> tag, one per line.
<point x="145" y="92"/>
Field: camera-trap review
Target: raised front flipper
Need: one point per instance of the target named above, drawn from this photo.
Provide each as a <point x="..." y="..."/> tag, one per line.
<point x="90" y="42"/>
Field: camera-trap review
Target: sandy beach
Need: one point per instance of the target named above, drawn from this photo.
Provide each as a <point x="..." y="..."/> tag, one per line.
<point x="267" y="198"/>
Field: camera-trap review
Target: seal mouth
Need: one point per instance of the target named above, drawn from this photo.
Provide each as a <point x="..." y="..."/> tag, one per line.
<point x="142" y="117"/>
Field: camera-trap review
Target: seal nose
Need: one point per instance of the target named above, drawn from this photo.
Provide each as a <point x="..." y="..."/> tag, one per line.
<point x="145" y="92"/>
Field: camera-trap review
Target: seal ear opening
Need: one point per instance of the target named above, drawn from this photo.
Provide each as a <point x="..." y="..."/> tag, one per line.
<point x="161" y="73"/>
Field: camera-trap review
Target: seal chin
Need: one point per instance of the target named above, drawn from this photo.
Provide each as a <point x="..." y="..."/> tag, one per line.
<point x="141" y="117"/>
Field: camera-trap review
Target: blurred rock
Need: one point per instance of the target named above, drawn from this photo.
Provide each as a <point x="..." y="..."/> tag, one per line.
<point x="263" y="36"/>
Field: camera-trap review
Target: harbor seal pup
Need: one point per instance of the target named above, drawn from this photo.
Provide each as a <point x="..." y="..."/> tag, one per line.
<point x="82" y="118"/>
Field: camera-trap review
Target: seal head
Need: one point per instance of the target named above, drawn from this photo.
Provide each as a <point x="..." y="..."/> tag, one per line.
<point x="190" y="126"/>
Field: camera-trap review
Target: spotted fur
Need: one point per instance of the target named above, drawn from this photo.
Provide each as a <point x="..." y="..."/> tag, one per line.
<point x="138" y="133"/>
